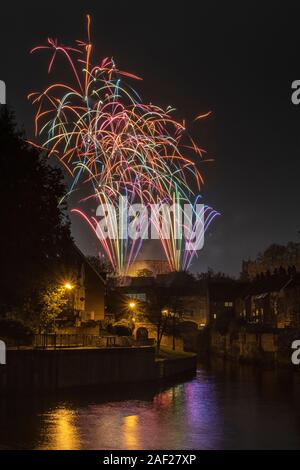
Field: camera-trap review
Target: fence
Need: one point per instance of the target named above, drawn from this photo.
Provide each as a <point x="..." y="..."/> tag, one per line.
<point x="64" y="341"/>
<point x="55" y="341"/>
<point x="59" y="341"/>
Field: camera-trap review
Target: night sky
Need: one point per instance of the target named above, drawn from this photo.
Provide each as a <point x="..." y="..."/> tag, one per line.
<point x="237" y="59"/>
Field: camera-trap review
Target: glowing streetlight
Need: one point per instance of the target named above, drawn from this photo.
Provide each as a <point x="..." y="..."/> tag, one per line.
<point x="68" y="286"/>
<point x="132" y="306"/>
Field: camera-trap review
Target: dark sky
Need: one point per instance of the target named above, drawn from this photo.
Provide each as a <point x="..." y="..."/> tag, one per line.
<point x="237" y="59"/>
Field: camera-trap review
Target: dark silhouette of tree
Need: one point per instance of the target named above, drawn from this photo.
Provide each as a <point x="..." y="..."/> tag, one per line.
<point x="167" y="307"/>
<point x="157" y="314"/>
<point x="35" y="232"/>
<point x="211" y="275"/>
<point x="102" y="266"/>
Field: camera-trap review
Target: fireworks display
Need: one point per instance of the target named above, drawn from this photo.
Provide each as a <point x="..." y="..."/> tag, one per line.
<point x="112" y="144"/>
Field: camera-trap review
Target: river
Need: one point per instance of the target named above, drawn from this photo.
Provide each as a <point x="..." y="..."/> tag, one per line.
<point x="225" y="406"/>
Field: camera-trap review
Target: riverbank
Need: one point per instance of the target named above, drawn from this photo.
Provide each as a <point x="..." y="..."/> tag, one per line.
<point x="50" y="370"/>
<point x="255" y="347"/>
<point x="250" y="344"/>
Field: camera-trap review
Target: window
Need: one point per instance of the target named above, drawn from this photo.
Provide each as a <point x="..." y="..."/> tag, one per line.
<point x="228" y="304"/>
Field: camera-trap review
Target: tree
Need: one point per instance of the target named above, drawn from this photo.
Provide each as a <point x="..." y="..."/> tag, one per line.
<point x="145" y="273"/>
<point x="215" y="276"/>
<point x="45" y="305"/>
<point x="167" y="307"/>
<point x="36" y="231"/>
<point x="101" y="265"/>
<point x="157" y="315"/>
<point x="53" y="300"/>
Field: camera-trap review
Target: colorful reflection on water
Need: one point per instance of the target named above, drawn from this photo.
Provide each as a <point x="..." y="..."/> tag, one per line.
<point x="223" y="407"/>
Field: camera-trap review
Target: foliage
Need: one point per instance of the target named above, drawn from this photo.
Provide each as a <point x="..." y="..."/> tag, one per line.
<point x="53" y="301"/>
<point x="15" y="330"/>
<point x="214" y="276"/>
<point x="36" y="232"/>
<point x="280" y="254"/>
<point x="46" y="305"/>
<point x="122" y="328"/>
<point x="164" y="312"/>
<point x="145" y="273"/>
<point x="102" y="266"/>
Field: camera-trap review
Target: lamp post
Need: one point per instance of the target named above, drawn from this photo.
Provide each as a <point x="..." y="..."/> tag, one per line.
<point x="69" y="287"/>
<point x="132" y="306"/>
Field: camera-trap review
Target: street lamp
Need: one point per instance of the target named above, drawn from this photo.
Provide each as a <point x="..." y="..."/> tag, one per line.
<point x="132" y="306"/>
<point x="71" y="300"/>
<point x="68" y="286"/>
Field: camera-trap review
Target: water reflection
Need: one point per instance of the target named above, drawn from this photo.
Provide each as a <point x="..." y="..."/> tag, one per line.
<point x="64" y="432"/>
<point x="131" y="431"/>
<point x="224" y="407"/>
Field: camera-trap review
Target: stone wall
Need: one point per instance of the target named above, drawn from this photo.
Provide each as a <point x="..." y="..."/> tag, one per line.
<point x="52" y="369"/>
<point x="269" y="348"/>
<point x="79" y="330"/>
<point x="176" y="367"/>
<point x="167" y="342"/>
<point x="47" y="370"/>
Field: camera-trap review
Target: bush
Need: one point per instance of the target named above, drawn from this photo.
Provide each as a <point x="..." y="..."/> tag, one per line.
<point x="122" y="328"/>
<point x="16" y="331"/>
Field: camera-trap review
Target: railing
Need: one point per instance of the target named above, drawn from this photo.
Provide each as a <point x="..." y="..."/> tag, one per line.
<point x="56" y="341"/>
<point x="59" y="341"/>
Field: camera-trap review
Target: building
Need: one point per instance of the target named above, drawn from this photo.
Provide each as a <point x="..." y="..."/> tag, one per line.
<point x="289" y="304"/>
<point x="222" y="295"/>
<point x="273" y="258"/>
<point x="189" y="295"/>
<point x="148" y="267"/>
<point x="272" y="300"/>
<point x="87" y="288"/>
<point x="142" y="289"/>
<point x="94" y="293"/>
<point x="195" y="301"/>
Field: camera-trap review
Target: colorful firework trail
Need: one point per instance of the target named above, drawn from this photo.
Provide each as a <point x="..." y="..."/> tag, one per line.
<point x="112" y="143"/>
